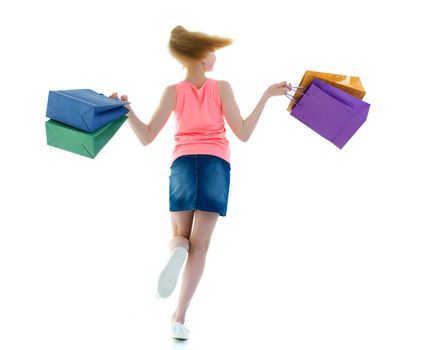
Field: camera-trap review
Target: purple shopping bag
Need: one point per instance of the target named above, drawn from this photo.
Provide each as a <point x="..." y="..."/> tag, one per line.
<point x="331" y="112"/>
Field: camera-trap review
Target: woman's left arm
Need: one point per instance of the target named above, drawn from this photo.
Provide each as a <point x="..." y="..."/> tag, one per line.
<point x="140" y="129"/>
<point x="161" y="114"/>
<point x="146" y="133"/>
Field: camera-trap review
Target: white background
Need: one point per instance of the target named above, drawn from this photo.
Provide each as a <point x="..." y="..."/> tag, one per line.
<point x="321" y="248"/>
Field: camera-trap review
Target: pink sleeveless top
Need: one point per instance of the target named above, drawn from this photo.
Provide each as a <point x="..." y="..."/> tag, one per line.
<point x="199" y="121"/>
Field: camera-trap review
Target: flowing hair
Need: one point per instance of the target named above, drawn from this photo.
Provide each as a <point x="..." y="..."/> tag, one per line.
<point x="192" y="47"/>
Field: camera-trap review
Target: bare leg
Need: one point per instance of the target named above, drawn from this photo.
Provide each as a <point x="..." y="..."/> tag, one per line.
<point x="179" y="241"/>
<point x="182" y="222"/>
<point x="204" y="225"/>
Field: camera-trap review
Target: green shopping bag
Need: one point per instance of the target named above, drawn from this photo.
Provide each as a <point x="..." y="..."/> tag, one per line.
<point x="77" y="141"/>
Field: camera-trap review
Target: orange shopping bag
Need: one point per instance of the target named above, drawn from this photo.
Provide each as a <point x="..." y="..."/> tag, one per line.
<point x="349" y="84"/>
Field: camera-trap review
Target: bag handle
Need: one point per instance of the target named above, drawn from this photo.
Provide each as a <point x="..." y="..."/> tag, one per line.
<point x="294" y="88"/>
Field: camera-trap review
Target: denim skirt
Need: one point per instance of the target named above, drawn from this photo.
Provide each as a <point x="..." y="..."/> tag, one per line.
<point x="199" y="181"/>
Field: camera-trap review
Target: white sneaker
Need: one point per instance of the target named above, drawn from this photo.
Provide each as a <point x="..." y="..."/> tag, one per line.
<point x="179" y="331"/>
<point x="169" y="275"/>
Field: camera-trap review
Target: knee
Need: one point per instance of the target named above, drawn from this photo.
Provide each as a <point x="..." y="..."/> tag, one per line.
<point x="180" y="240"/>
<point x="181" y="235"/>
<point x="199" y="247"/>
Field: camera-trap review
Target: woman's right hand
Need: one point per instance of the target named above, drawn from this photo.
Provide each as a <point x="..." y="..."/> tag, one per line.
<point x="278" y="89"/>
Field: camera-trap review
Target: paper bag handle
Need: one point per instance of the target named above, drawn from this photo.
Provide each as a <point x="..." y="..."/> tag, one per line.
<point x="294" y="88"/>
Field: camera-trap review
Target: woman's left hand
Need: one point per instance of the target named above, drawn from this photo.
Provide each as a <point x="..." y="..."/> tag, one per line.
<point x="123" y="98"/>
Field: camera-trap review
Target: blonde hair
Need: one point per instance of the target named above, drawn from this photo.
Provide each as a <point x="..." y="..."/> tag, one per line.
<point x="192" y="47"/>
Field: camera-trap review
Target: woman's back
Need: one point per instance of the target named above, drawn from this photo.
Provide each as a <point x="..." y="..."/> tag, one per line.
<point x="199" y="121"/>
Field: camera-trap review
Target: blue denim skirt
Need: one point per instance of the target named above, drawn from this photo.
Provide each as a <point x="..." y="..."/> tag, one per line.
<point x="199" y="181"/>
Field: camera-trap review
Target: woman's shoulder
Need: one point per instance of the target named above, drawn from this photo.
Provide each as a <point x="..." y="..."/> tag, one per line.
<point x="223" y="86"/>
<point x="170" y="89"/>
<point x="169" y="95"/>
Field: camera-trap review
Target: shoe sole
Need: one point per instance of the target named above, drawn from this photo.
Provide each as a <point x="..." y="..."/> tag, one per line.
<point x="169" y="276"/>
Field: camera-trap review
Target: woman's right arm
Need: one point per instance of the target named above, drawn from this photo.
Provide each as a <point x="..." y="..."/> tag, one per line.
<point x="243" y="128"/>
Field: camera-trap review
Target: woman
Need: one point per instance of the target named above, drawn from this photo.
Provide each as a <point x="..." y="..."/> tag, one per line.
<point x="200" y="171"/>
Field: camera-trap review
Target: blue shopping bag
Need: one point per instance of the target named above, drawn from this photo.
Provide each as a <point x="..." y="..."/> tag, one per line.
<point x="84" y="109"/>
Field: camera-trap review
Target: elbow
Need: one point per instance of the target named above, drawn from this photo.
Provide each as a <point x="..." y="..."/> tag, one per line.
<point x="243" y="137"/>
<point x="147" y="137"/>
<point x="146" y="142"/>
